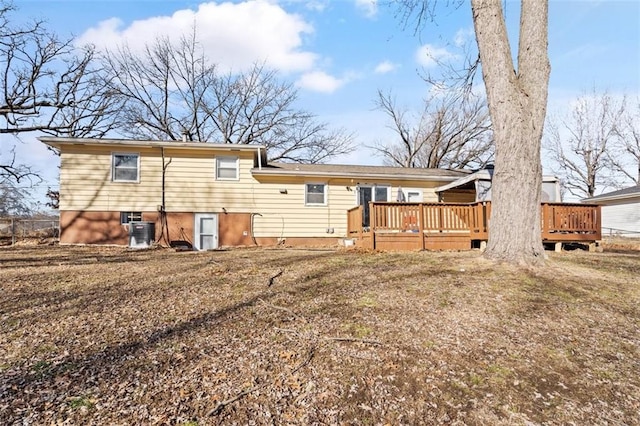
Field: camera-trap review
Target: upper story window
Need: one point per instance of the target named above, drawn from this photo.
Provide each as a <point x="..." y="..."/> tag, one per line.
<point x="227" y="168"/>
<point x="315" y="194"/>
<point x="125" y="167"/>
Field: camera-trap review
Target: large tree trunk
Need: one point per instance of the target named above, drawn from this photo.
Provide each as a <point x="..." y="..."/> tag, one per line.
<point x="517" y="104"/>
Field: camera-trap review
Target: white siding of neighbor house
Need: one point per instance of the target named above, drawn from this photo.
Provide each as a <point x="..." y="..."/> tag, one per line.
<point x="621" y="218"/>
<point x="191" y="186"/>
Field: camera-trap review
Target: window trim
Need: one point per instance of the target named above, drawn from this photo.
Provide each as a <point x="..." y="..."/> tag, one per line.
<point x="113" y="167"/>
<point x="129" y="214"/>
<point x="325" y="194"/>
<point x="235" y="158"/>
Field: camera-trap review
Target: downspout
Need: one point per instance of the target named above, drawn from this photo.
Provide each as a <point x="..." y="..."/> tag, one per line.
<point x="164" y="224"/>
<point x="259" y="159"/>
<point x="163" y="179"/>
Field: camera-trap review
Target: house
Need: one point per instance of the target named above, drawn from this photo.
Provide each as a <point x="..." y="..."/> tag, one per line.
<point x="206" y="195"/>
<point x="477" y="187"/>
<point x="620" y="211"/>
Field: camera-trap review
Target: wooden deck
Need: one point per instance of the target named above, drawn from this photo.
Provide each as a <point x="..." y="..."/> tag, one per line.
<point x="458" y="226"/>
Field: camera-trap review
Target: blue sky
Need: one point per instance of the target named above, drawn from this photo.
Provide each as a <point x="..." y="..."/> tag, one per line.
<point x="340" y="53"/>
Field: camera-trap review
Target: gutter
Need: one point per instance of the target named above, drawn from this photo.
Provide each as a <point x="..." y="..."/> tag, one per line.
<point x="264" y="172"/>
<point x="57" y="142"/>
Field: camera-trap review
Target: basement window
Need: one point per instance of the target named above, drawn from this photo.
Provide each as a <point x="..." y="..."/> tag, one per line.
<point x="126" y="217"/>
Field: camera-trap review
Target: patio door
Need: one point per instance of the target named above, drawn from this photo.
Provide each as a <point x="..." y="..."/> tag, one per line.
<point x="368" y="193"/>
<point x="206" y="231"/>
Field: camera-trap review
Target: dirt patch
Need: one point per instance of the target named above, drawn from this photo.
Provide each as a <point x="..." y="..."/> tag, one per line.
<point x="259" y="336"/>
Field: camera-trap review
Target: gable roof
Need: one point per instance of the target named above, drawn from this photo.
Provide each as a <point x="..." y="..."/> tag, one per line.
<point x="621" y="194"/>
<point x="355" y="171"/>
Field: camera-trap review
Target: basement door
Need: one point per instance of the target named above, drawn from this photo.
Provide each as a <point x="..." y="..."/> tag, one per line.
<point x="206" y="231"/>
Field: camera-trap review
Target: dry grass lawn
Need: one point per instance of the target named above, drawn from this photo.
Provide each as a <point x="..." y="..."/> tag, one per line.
<point x="280" y="336"/>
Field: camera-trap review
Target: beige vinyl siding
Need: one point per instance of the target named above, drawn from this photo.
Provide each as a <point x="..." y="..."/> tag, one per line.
<point x="190" y="185"/>
<point x="286" y="215"/>
<point x="86" y="184"/>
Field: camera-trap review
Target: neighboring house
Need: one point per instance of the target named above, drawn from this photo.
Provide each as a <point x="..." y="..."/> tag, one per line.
<point x="477" y="187"/>
<point x="620" y="211"/>
<point x="212" y="195"/>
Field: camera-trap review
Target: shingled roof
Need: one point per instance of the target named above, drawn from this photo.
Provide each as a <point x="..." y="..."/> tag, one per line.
<point x="633" y="191"/>
<point x="348" y="170"/>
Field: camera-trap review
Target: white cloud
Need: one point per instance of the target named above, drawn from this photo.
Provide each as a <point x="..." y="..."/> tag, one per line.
<point x="463" y="36"/>
<point x="319" y="81"/>
<point x="233" y="35"/>
<point x="386" y="67"/>
<point x="429" y="56"/>
<point x="368" y="7"/>
<point x="317" y="5"/>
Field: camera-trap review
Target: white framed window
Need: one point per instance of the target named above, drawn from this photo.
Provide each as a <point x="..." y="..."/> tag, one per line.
<point x="414" y="196"/>
<point x="125" y="167"/>
<point x="315" y="194"/>
<point x="366" y="193"/>
<point x="381" y="193"/>
<point x="126" y="217"/>
<point x="227" y="168"/>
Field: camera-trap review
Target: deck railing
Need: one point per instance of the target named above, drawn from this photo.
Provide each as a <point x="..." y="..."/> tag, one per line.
<point x="559" y="222"/>
<point x="571" y="222"/>
<point x="354" y="221"/>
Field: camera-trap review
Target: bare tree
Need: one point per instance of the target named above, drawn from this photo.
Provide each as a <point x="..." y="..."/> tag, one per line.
<point x="172" y="90"/>
<point x="626" y="153"/>
<point x="48" y="84"/>
<point x="11" y="169"/>
<point x="517" y="98"/>
<point x="254" y="107"/>
<point x="451" y="132"/>
<point x="14" y="200"/>
<point x="163" y="89"/>
<point x="581" y="145"/>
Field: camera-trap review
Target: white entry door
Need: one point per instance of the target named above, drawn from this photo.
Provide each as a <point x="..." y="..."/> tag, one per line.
<point x="206" y="231"/>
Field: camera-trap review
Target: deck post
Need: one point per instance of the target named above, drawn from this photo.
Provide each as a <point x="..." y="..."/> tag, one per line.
<point x="421" y="225"/>
<point x="360" y="230"/>
<point x="599" y="222"/>
<point x="546" y="221"/>
<point x="558" y="247"/>
<point x="372" y="221"/>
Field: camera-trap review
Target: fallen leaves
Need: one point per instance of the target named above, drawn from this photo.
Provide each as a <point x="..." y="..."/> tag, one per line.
<point x="112" y="336"/>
